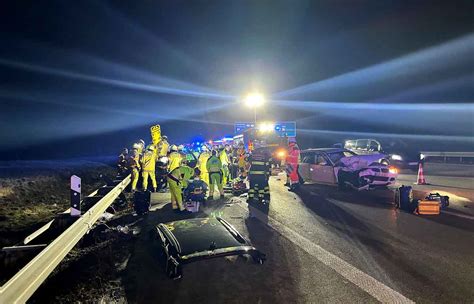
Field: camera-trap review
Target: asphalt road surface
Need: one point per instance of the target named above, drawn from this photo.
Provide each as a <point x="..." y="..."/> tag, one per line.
<point x="322" y="245"/>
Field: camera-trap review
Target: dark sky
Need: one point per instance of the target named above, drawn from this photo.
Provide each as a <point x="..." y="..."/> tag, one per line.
<point x="96" y="69"/>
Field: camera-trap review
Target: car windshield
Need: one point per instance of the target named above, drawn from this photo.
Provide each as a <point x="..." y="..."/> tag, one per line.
<point x="336" y="156"/>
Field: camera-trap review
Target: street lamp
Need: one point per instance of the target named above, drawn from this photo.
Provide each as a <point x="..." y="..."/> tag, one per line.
<point x="254" y="100"/>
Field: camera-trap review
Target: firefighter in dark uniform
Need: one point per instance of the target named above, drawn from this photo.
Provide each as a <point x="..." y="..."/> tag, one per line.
<point x="259" y="173"/>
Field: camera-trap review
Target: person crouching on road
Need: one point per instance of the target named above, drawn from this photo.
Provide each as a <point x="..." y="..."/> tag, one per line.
<point x="148" y="167"/>
<point x="196" y="189"/>
<point x="134" y="165"/>
<point x="214" y="167"/>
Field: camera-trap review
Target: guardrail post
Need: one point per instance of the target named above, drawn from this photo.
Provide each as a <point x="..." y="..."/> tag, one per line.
<point x="75" y="195"/>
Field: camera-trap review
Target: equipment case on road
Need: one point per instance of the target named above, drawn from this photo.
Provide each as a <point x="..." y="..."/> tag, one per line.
<point x="141" y="201"/>
<point x="428" y="207"/>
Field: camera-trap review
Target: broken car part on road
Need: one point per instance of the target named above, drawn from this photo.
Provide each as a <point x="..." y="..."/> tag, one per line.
<point x="197" y="239"/>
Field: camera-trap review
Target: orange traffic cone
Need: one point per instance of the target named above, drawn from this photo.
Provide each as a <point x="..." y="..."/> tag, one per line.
<point x="421" y="176"/>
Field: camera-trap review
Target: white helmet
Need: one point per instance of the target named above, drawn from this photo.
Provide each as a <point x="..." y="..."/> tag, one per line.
<point x="204" y="149"/>
<point x="180" y="148"/>
<point x="151" y="148"/>
<point x="136" y="146"/>
<point x="174" y="148"/>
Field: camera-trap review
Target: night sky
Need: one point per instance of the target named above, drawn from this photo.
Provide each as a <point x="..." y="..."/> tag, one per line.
<point x="88" y="77"/>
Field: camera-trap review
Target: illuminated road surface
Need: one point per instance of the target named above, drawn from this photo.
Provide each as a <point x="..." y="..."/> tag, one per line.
<point x="323" y="245"/>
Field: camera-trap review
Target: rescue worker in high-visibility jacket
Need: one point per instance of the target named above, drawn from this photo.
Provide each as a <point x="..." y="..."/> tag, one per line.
<point x="292" y="161"/>
<point x="187" y="173"/>
<point x="174" y="159"/>
<point x="163" y="147"/>
<point x="175" y="180"/>
<point x="134" y="165"/>
<point x="214" y="167"/>
<point x="202" y="164"/>
<point x="240" y="154"/>
<point x="224" y="158"/>
<point x="178" y="180"/>
<point x="148" y="167"/>
<point x="259" y="173"/>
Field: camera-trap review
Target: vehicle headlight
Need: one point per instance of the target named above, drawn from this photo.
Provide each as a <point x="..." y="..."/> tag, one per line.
<point x="393" y="170"/>
<point x="396" y="157"/>
<point x="281" y="154"/>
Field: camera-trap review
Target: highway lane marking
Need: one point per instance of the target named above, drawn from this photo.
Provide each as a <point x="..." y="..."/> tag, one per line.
<point x="370" y="285"/>
<point x="469" y="217"/>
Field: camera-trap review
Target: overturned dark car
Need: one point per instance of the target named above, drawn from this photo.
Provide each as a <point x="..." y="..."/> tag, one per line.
<point x="198" y="239"/>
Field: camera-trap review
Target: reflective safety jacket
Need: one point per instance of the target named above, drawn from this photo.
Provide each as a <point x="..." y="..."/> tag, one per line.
<point x="260" y="162"/>
<point x="214" y="164"/>
<point x="149" y="161"/>
<point x="203" y="161"/>
<point x="292" y="161"/>
<point x="164" y="146"/>
<point x="182" y="174"/>
<point x="224" y="158"/>
<point x="293" y="157"/>
<point x="174" y="161"/>
<point x="241" y="158"/>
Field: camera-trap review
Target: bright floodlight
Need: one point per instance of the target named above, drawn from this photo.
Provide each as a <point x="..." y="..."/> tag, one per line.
<point x="266" y="127"/>
<point x="254" y="100"/>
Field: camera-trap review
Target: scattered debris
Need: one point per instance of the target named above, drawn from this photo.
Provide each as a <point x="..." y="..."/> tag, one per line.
<point x="105" y="217"/>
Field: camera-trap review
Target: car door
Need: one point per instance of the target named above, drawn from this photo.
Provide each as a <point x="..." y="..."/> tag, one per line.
<point x="307" y="158"/>
<point x="322" y="170"/>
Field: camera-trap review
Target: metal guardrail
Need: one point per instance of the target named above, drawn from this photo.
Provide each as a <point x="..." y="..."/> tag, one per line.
<point x="46" y="226"/>
<point x="25" y="282"/>
<point x="460" y="158"/>
<point x="447" y="154"/>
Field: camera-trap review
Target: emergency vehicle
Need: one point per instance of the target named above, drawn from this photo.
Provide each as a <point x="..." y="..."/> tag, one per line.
<point x="274" y="136"/>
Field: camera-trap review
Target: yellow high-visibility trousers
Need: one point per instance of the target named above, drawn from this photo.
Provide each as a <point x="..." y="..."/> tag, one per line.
<point x="145" y="175"/>
<point x="204" y="175"/>
<point x="225" y="174"/>
<point x="135" y="176"/>
<point x="176" y="195"/>
<point x="215" y="180"/>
